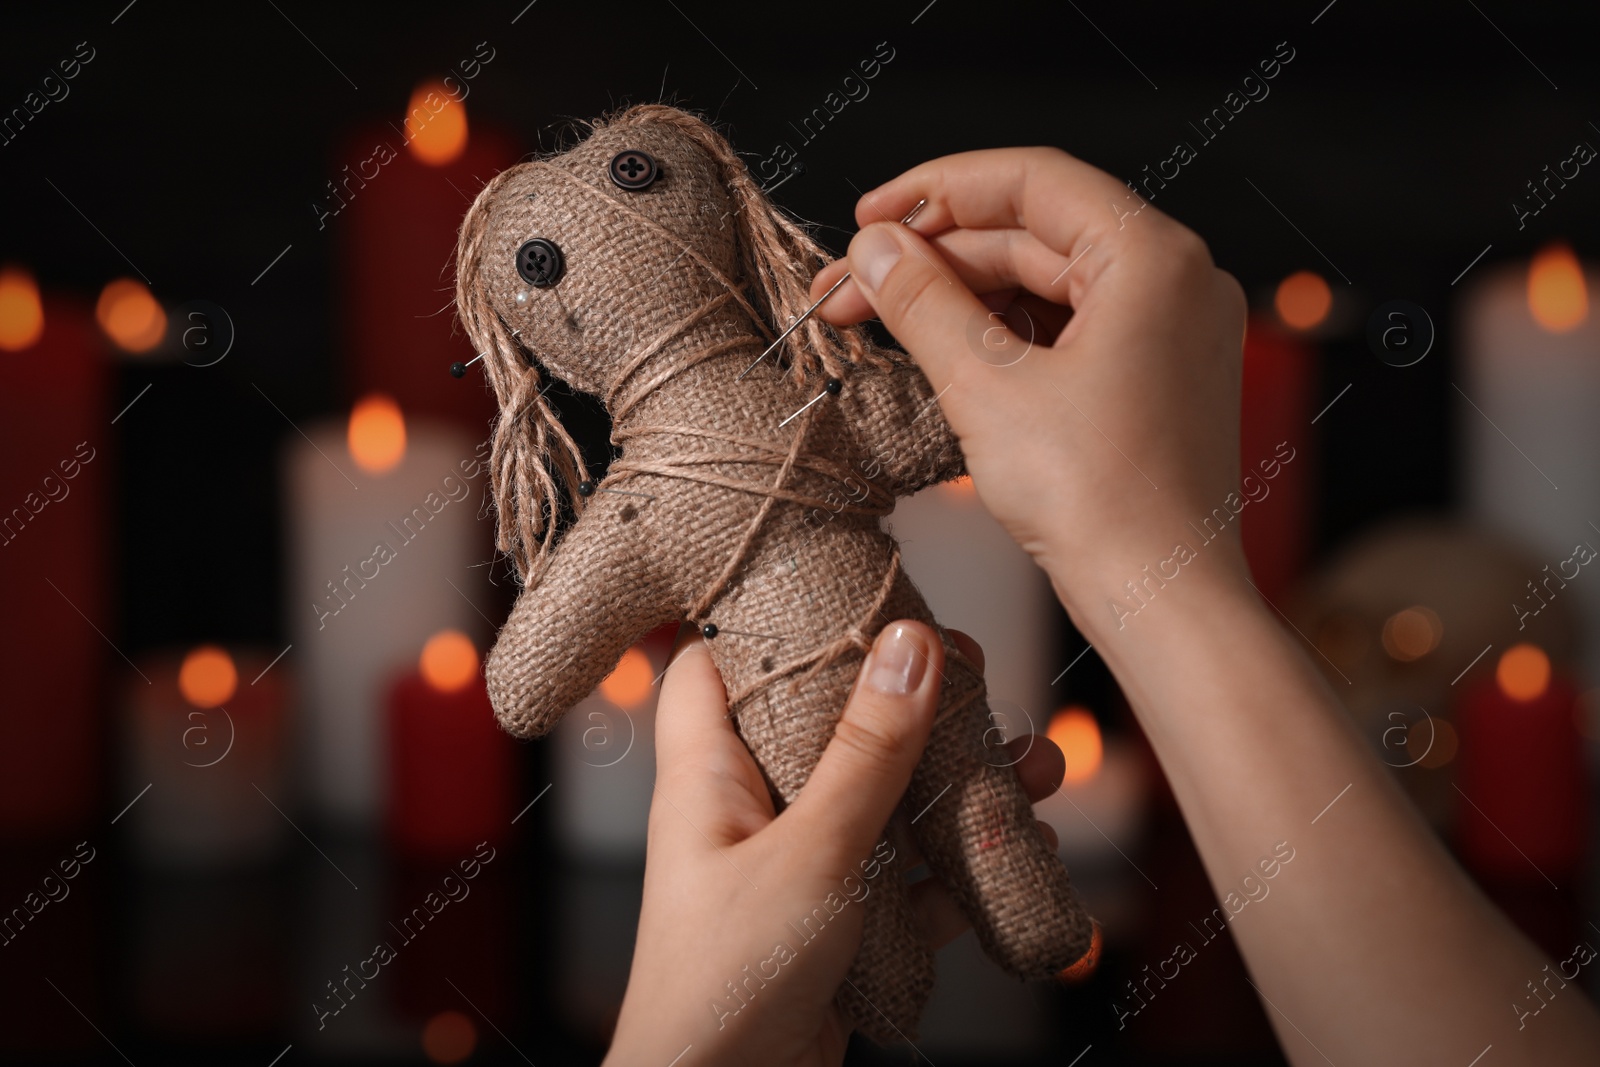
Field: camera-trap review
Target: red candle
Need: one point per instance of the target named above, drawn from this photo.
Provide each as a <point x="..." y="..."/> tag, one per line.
<point x="1523" y="810"/>
<point x="397" y="203"/>
<point x="1275" y="461"/>
<point x="55" y="435"/>
<point x="451" y="769"/>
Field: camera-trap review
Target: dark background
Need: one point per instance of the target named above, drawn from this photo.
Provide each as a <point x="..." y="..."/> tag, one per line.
<point x="199" y="136"/>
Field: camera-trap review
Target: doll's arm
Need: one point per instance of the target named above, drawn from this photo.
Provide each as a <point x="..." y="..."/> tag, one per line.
<point x="904" y="442"/>
<point x="564" y="635"/>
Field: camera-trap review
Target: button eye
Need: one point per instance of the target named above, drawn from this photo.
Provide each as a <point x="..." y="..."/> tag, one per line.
<point x="633" y="170"/>
<point x="540" y="263"/>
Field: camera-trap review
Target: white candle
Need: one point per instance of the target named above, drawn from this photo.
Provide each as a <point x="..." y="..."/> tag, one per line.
<point x="603" y="768"/>
<point x="1532" y="354"/>
<point x="201" y="750"/>
<point x="975" y="578"/>
<point x="384" y="531"/>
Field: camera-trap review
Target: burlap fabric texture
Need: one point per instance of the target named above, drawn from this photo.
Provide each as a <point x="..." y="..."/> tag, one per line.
<point x="769" y="531"/>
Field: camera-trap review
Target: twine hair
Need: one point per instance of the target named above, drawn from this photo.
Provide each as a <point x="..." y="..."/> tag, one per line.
<point x="535" y="465"/>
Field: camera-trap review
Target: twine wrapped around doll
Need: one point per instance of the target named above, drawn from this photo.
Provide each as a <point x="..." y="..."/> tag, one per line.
<point x="752" y="508"/>
<point x="535" y="464"/>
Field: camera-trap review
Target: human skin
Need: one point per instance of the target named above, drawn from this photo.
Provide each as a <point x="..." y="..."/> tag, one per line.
<point x="724" y="876"/>
<point x="1117" y="428"/>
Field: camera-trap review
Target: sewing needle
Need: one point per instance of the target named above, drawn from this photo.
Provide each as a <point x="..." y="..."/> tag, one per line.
<point x="910" y="215"/>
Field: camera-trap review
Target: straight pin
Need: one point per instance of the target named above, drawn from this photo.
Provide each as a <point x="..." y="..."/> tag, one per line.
<point x="459" y="369"/>
<point x="808" y="312"/>
<point x="831" y="389"/>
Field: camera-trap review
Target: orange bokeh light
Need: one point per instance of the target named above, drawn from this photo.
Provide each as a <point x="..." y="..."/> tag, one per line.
<point x="1413" y="633"/>
<point x="959" y="487"/>
<point x="208" y="677"/>
<point x="1523" y="673"/>
<point x="448" y="661"/>
<point x="629" y="684"/>
<point x="377" y="433"/>
<point x="130" y="316"/>
<point x="21" y="313"/>
<point x="1432" y="743"/>
<point x="1079" y="971"/>
<point x="1078" y="736"/>
<point x="1303" y="299"/>
<point x="449" y="1037"/>
<point x="438" y="133"/>
<point x="1558" y="299"/>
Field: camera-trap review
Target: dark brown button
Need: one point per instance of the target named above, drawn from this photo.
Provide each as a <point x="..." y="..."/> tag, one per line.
<point x="539" y="262"/>
<point x="633" y="170"/>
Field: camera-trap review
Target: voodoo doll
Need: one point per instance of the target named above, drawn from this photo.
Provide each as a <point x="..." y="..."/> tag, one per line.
<point x="645" y="266"/>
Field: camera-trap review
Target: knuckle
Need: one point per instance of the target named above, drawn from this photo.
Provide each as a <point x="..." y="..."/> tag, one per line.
<point x="868" y="741"/>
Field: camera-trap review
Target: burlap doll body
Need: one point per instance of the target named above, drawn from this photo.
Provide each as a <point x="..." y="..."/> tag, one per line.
<point x="758" y="524"/>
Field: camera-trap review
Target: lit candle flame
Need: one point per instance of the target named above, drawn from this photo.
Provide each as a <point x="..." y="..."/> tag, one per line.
<point x="130" y="315"/>
<point x="1303" y="299"/>
<point x="1076" y="733"/>
<point x="377" y="434"/>
<point x="208" y="677"/>
<point x="1558" y="299"/>
<point x="21" y="313"/>
<point x="436" y="125"/>
<point x="448" y="661"/>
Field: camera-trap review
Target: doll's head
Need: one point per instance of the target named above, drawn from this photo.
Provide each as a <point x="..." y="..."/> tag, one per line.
<point x="572" y="265"/>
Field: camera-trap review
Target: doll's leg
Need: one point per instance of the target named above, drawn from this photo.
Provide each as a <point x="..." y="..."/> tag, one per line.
<point x="977" y="832"/>
<point x="892" y="976"/>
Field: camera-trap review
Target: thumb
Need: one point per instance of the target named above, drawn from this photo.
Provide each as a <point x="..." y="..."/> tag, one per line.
<point x="920" y="299"/>
<point x="864" y="771"/>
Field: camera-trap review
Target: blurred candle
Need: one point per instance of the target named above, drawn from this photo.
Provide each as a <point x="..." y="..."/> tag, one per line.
<point x="212" y="749"/>
<point x="1279" y="373"/>
<point x="383" y="518"/>
<point x="1101" y="803"/>
<point x="1533" y="378"/>
<point x="603" y="765"/>
<point x="977" y="579"/>
<point x="1521" y="772"/>
<point x="396" y="206"/>
<point x="451" y="767"/>
<point x="55" y="434"/>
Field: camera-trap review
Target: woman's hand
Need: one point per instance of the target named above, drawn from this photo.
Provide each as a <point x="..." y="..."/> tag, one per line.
<point x="724" y="874"/>
<point x="1095" y="443"/>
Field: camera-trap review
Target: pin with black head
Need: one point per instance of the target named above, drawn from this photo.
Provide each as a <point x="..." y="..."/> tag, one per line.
<point x="709" y="630"/>
<point x="586" y="488"/>
<point x="459" y="369"/>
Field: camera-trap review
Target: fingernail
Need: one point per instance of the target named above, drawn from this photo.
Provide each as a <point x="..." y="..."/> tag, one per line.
<point x="873" y="254"/>
<point x="897" y="663"/>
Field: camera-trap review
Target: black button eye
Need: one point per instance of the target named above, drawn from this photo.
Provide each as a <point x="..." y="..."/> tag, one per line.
<point x="633" y="170"/>
<point x="540" y="263"/>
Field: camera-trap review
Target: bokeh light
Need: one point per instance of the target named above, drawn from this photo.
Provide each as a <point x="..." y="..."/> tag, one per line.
<point x="1076" y="733"/>
<point x="1557" y="296"/>
<point x="1413" y="633"/>
<point x="449" y="1037"/>
<point x="1303" y="300"/>
<point x="437" y="136"/>
<point x="630" y="683"/>
<point x="130" y="316"/>
<point x="1086" y="966"/>
<point x="21" y="312"/>
<point x="1432" y="743"/>
<point x="1523" y="673"/>
<point x="208" y="677"/>
<point x="448" y="661"/>
<point x="377" y="433"/>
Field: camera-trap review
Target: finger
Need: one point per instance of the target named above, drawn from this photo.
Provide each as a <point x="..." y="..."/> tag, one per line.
<point x="1063" y="201"/>
<point x="866" y="767"/>
<point x="920" y="300"/>
<point x="704" y="772"/>
<point x="968" y="646"/>
<point x="987" y="261"/>
<point x="1040" y="764"/>
<point x="936" y="914"/>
